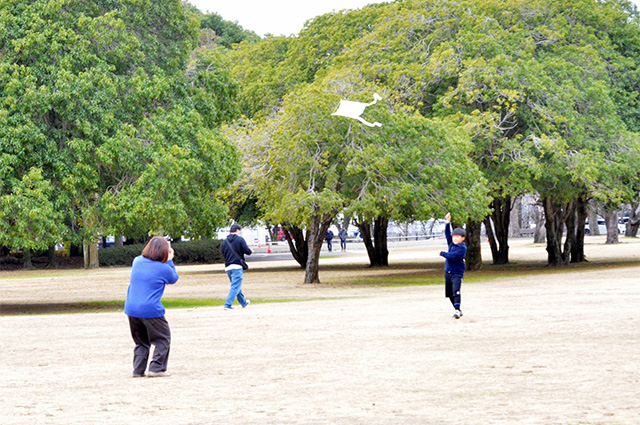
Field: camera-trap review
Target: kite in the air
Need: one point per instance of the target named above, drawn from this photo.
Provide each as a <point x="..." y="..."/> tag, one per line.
<point x="350" y="109"/>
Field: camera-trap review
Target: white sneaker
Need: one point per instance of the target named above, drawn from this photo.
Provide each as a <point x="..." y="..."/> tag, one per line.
<point x="457" y="314"/>
<point x="157" y="374"/>
<point x="248" y="302"/>
<point x="230" y="308"/>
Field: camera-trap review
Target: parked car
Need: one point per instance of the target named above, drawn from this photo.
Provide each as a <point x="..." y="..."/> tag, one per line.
<point x="602" y="227"/>
<point x="622" y="225"/>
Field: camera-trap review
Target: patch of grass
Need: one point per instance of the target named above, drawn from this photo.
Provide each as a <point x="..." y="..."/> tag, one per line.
<point x="213" y="302"/>
<point x="191" y="302"/>
<point x="118" y="305"/>
<point x="61" y="308"/>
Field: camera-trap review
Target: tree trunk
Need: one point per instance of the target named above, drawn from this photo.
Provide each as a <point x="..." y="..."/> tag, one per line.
<point x="376" y="244"/>
<point x="570" y="239"/>
<point x="592" y="215"/>
<point x="577" y="250"/>
<point x="365" y="233"/>
<point x="515" y="218"/>
<point x="381" y="251"/>
<point x="90" y="251"/>
<point x="540" y="233"/>
<point x="315" y="237"/>
<point x="555" y="217"/>
<point x="611" y="221"/>
<point x="634" y="222"/>
<point x="474" y="246"/>
<point x="499" y="233"/>
<point x="118" y="241"/>
<point x="51" y="256"/>
<point x="297" y="243"/>
<point x="26" y="253"/>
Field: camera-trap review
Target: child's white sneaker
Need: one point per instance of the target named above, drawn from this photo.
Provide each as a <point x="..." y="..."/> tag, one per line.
<point x="457" y="314"/>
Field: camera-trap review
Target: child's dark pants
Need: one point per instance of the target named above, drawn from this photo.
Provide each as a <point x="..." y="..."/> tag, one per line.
<point x="452" y="284"/>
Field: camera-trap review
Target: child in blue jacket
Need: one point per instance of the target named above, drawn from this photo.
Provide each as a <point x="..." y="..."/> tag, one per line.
<point x="454" y="266"/>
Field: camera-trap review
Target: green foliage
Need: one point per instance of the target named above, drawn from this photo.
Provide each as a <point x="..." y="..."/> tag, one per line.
<point x="227" y="33"/>
<point x="275" y="66"/>
<point x="205" y="251"/>
<point x="104" y="99"/>
<point x="515" y="73"/>
<point x="28" y="218"/>
<point x="263" y="78"/>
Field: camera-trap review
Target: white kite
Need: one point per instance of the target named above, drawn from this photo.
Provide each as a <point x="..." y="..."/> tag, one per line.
<point x="350" y="109"/>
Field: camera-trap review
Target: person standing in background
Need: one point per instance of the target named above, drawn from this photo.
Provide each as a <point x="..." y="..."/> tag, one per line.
<point x="234" y="248"/>
<point x="343" y="239"/>
<point x="329" y="238"/>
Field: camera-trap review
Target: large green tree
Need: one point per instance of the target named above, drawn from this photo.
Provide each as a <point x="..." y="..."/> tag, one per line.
<point x="100" y="96"/>
<point x="306" y="166"/>
<point x="515" y="71"/>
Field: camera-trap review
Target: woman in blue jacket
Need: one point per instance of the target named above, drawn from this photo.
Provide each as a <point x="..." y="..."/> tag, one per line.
<point x="150" y="272"/>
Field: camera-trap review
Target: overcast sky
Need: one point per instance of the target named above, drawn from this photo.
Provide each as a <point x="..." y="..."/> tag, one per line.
<point x="278" y="17"/>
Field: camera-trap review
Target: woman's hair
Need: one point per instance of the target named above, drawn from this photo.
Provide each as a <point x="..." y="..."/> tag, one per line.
<point x="157" y="249"/>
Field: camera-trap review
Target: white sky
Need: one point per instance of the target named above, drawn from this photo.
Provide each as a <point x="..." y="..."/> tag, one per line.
<point x="278" y="17"/>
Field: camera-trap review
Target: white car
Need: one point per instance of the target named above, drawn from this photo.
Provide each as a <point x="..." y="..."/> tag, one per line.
<point x="622" y="225"/>
<point x="602" y="228"/>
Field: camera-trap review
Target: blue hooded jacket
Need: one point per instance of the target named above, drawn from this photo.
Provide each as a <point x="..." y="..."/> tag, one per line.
<point x="454" y="262"/>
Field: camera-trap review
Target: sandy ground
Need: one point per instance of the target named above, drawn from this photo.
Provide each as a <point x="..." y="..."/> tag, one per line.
<point x="557" y="348"/>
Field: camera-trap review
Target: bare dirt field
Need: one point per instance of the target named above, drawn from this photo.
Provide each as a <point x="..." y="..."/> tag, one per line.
<point x="547" y="347"/>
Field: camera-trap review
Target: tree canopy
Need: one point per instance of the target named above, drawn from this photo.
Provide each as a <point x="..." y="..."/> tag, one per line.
<point x="100" y="98"/>
<point x="544" y="89"/>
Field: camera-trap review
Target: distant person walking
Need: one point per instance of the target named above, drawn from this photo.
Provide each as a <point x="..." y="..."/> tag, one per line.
<point x="454" y="266"/>
<point x="150" y="273"/>
<point x="343" y="239"/>
<point x="234" y="248"/>
<point x="329" y="238"/>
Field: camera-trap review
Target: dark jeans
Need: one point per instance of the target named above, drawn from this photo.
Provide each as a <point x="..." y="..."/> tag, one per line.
<point x="343" y="243"/>
<point x="147" y="332"/>
<point x="452" y="284"/>
<point x="329" y="244"/>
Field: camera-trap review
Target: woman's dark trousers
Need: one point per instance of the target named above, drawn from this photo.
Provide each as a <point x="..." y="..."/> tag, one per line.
<point x="145" y="333"/>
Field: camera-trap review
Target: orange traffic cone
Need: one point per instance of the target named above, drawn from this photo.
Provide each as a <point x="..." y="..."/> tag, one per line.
<point x="269" y="250"/>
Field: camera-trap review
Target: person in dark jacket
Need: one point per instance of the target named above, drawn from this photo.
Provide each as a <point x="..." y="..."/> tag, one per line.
<point x="454" y="266"/>
<point x="343" y="239"/>
<point x="234" y="248"/>
<point x="329" y="238"/>
<point x="150" y="273"/>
